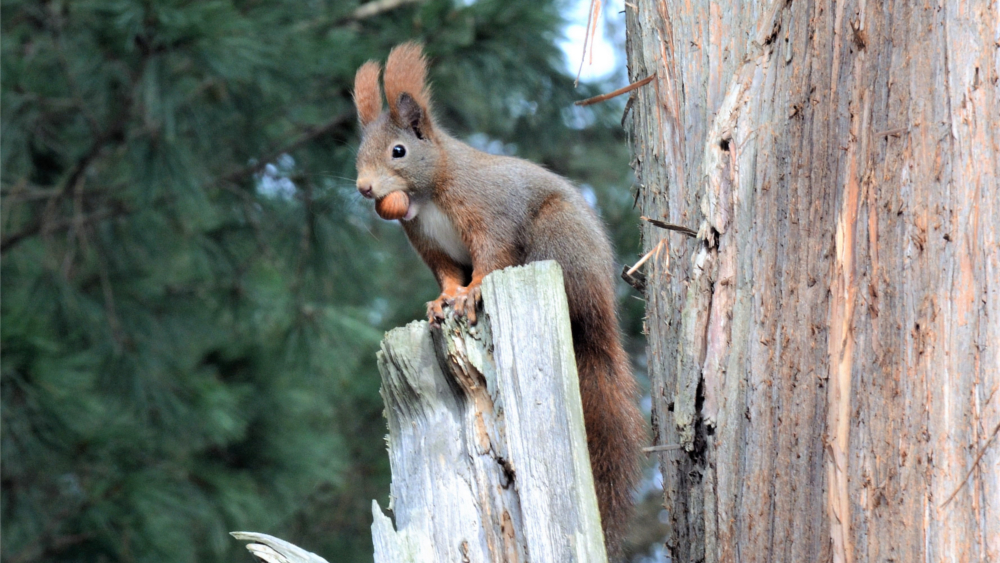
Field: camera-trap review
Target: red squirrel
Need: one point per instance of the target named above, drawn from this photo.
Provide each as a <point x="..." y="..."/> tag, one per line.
<point x="468" y="213"/>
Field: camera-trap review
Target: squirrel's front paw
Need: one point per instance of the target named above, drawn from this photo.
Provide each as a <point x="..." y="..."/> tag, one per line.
<point x="435" y="309"/>
<point x="467" y="299"/>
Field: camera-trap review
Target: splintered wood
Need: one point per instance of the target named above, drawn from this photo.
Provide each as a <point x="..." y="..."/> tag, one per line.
<point x="486" y="437"/>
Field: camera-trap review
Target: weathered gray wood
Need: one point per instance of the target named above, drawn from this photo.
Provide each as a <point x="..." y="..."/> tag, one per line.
<point x="270" y="549"/>
<point x="404" y="546"/>
<point x="826" y="350"/>
<point x="542" y="413"/>
<point x="486" y="436"/>
<point x="450" y="496"/>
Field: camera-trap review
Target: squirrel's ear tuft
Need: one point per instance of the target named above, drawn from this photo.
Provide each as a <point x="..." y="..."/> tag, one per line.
<point x="367" y="94"/>
<point x="406" y="73"/>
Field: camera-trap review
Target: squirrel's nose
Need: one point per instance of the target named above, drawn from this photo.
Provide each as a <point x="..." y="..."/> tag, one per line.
<point x="365" y="187"/>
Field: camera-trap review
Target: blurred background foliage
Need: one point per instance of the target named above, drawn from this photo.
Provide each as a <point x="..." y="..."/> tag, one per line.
<point x="193" y="291"/>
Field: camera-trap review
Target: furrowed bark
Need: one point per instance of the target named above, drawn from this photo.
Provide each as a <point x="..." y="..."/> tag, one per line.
<point x="827" y="351"/>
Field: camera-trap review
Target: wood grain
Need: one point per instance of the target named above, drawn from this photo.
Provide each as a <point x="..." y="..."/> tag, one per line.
<point x="828" y="349"/>
<point x="486" y="437"/>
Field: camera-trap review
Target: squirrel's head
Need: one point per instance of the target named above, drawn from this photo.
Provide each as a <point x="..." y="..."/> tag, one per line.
<point x="399" y="147"/>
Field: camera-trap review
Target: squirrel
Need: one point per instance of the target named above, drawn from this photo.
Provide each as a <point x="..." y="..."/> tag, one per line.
<point x="468" y="213"/>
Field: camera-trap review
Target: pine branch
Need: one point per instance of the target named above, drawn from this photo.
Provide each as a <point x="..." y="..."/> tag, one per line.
<point x="38" y="226"/>
<point x="22" y="191"/>
<point x="41" y="225"/>
<point x="96" y="147"/>
<point x="55" y="545"/>
<point x="308" y="135"/>
<point x="362" y="12"/>
<point x="377" y="7"/>
<point x="114" y="131"/>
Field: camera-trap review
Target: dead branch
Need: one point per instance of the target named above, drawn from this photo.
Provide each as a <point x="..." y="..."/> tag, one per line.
<point x="618" y="92"/>
<point x="670" y="226"/>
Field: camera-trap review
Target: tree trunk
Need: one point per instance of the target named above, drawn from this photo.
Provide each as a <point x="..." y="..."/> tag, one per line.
<point x="827" y="350"/>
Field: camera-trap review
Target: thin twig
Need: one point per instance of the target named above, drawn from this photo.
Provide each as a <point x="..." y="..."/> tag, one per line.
<point x="305" y="238"/>
<point x="586" y="40"/>
<point x="115" y="130"/>
<point x="671" y="227"/>
<point x="54" y="546"/>
<point x="84" y="107"/>
<point x="47" y="224"/>
<point x="662" y="448"/>
<point x="618" y="92"/>
<point x="362" y="12"/>
<point x="21" y="192"/>
<point x="593" y="30"/>
<point x="109" y="298"/>
<point x="636" y="280"/>
<point x="982" y="451"/>
<point x="305" y="137"/>
<point x="646" y="257"/>
<point x="11" y="240"/>
<point x="377" y="7"/>
<point x="75" y="232"/>
<point x="894" y="132"/>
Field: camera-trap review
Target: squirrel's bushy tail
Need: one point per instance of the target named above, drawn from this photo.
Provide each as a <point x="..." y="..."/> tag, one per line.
<point x="615" y="426"/>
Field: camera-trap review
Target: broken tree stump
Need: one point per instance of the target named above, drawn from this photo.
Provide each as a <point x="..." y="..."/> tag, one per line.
<point x="486" y="435"/>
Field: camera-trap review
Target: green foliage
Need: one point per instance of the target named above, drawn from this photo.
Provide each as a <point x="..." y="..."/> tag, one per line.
<point x="193" y="291"/>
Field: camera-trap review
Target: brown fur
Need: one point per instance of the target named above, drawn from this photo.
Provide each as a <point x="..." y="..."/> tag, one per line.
<point x="367" y="94"/>
<point x="475" y="213"/>
<point x="406" y="71"/>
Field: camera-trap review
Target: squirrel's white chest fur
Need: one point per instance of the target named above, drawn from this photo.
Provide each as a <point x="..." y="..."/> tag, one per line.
<point x="437" y="227"/>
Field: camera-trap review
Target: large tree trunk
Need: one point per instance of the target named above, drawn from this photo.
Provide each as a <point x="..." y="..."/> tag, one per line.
<point x="827" y="351"/>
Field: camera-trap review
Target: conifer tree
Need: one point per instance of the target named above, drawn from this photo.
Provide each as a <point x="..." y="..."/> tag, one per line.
<point x="193" y="292"/>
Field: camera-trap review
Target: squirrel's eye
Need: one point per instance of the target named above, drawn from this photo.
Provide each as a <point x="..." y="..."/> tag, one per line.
<point x="398" y="151"/>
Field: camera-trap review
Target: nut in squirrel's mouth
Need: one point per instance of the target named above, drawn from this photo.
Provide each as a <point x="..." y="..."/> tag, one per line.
<point x="395" y="205"/>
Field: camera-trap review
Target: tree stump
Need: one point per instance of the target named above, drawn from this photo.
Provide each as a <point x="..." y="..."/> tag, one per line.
<point x="486" y="438"/>
<point x="486" y="435"/>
